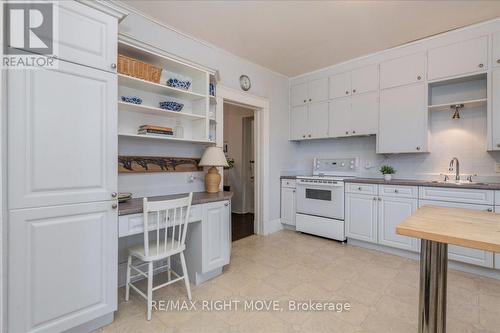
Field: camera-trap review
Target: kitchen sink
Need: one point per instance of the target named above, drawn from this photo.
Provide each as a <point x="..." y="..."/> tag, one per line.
<point x="460" y="182"/>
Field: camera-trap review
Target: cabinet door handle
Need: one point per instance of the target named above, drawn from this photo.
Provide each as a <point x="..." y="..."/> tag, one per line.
<point x="305" y="100"/>
<point x="346" y="132"/>
<point x="419" y="77"/>
<point x="498" y="61"/>
<point x="226" y="204"/>
<point x="374" y="199"/>
<point x="480" y="65"/>
<point x="359" y="188"/>
<point x="489" y="209"/>
<point x="293" y="191"/>
<point x="347" y="92"/>
<point x="353" y="132"/>
<point x="310" y="99"/>
<point x="303" y="136"/>
<point x="418" y="148"/>
<point x="309" y="135"/>
<point x="113" y="65"/>
<point x="498" y="145"/>
<point x="113" y="195"/>
<point x="379" y="199"/>
<point x="354" y="90"/>
<point x="396" y="191"/>
<point x="114" y="206"/>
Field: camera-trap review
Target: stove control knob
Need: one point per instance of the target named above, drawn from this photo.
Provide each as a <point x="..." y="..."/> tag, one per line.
<point x="351" y="167"/>
<point x="342" y="164"/>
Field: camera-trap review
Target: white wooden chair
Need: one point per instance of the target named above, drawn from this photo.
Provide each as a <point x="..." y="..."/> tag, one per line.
<point x="170" y="220"/>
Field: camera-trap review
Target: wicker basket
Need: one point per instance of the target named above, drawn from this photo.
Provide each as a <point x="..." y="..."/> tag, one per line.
<point x="136" y="68"/>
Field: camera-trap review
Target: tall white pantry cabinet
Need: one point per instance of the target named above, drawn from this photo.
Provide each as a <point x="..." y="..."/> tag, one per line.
<point x="62" y="178"/>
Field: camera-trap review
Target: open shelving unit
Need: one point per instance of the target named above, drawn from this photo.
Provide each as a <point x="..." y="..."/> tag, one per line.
<point x="193" y="124"/>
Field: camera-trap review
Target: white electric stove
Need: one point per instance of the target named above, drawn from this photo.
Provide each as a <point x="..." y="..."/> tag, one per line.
<point x="320" y="197"/>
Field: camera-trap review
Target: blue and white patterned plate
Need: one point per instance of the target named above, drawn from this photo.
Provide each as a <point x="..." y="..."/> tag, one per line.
<point x="171" y="106"/>
<point x="176" y="83"/>
<point x="133" y="100"/>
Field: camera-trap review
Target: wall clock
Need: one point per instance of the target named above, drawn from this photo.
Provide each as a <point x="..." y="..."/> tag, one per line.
<point x="245" y="83"/>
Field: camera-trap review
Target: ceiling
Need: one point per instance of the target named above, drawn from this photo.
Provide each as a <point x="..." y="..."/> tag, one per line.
<point x="296" y="37"/>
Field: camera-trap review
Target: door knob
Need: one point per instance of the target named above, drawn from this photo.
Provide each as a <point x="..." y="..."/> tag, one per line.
<point x="480" y="65"/>
<point x="113" y="65"/>
<point x="113" y="195"/>
<point x="114" y="206"/>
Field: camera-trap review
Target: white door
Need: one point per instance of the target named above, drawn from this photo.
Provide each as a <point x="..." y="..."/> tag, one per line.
<point x="288" y="205"/>
<point x="62" y="136"/>
<point x="364" y="79"/>
<point x="299" y="94"/>
<point x="318" y="120"/>
<point x="466" y="57"/>
<point x="62" y="266"/>
<point x="495" y="60"/>
<point x="340" y="85"/>
<point x="338" y="120"/>
<point x="87" y="36"/>
<point x="361" y="217"/>
<point x="401" y="71"/>
<point x="318" y="90"/>
<point x="363" y="118"/>
<point x="391" y="212"/>
<point x="298" y="122"/>
<point x="495" y="110"/>
<point x="216" y="235"/>
<point x="403" y="120"/>
<point x="459" y="253"/>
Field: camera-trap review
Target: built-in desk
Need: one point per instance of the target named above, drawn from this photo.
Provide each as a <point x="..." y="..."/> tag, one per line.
<point x="208" y="241"/>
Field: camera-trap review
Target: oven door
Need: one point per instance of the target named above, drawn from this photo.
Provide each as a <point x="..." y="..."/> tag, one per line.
<point x="319" y="199"/>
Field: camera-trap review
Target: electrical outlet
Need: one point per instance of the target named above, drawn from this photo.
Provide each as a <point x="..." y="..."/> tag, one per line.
<point x="497" y="167"/>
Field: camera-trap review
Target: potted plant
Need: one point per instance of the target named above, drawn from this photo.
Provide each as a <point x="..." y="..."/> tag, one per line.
<point x="387" y="171"/>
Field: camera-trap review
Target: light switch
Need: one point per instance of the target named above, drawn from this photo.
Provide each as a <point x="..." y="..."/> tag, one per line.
<point x="497" y="167"/>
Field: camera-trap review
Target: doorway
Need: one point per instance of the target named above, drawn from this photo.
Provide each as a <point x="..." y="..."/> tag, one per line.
<point x="239" y="178"/>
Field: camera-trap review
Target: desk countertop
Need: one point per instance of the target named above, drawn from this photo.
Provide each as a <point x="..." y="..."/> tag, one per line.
<point x="458" y="226"/>
<point x="134" y="206"/>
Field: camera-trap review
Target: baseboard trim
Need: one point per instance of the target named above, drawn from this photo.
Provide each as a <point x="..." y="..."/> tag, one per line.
<point x="272" y="226"/>
<point x="459" y="266"/>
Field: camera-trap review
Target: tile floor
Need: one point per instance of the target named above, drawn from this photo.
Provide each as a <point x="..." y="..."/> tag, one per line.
<point x="381" y="289"/>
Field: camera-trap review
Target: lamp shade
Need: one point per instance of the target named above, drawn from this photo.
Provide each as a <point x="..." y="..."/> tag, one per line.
<point x="213" y="156"/>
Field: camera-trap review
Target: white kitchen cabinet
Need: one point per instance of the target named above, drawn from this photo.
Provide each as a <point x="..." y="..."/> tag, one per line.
<point x="364" y="79"/>
<point x="462" y="58"/>
<point x="62" y="266"/>
<point x="309" y="92"/>
<point x="87" y="36"/>
<point x="402" y="71"/>
<point x="62" y="147"/>
<point x="457" y="195"/>
<point x="497" y="255"/>
<point x="318" y="120"/>
<point x="459" y="253"/>
<point x="288" y="209"/>
<point x="298" y="94"/>
<point x="361" y="217"/>
<point x="403" y="120"/>
<point x="340" y="85"/>
<point x="318" y="90"/>
<point x="495" y="60"/>
<point x="216" y="234"/>
<point x="494" y="125"/>
<point x="391" y="212"/>
<point x="363" y="117"/>
<point x="339" y="117"/>
<point x="298" y="122"/>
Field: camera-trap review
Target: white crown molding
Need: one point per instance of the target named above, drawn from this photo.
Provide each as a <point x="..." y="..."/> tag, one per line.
<point x="131" y="9"/>
<point x="107" y="7"/>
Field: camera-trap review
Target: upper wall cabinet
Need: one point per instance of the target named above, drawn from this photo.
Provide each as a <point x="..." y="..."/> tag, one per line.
<point x="496" y="49"/>
<point x="356" y="115"/>
<point x="403" y="120"/>
<point x="87" y="36"/>
<point x="402" y="71"/>
<point x="458" y="59"/>
<point x="309" y="121"/>
<point x="62" y="146"/>
<point x="361" y="80"/>
<point x="309" y="92"/>
<point x="495" y="111"/>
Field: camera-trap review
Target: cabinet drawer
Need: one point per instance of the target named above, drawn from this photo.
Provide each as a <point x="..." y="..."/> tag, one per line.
<point x="134" y="223"/>
<point x="362" y="188"/>
<point x="398" y="191"/>
<point x="288" y="183"/>
<point x="480" y="197"/>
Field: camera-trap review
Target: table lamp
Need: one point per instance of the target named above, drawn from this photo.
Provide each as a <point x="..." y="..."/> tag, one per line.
<point x="213" y="157"/>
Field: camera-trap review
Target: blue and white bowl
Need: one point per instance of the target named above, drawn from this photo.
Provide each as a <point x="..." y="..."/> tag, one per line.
<point x="133" y="100"/>
<point x="171" y="106"/>
<point x="176" y="83"/>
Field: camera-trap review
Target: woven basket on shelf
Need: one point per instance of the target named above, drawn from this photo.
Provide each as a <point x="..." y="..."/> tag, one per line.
<point x="136" y="68"/>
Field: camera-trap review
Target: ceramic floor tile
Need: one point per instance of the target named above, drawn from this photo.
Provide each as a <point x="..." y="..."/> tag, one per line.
<point x="287" y="266"/>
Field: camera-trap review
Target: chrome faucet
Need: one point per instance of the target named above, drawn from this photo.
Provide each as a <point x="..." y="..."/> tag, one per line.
<point x="457" y="169"/>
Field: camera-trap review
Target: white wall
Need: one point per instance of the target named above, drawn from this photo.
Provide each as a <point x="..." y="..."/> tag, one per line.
<point x="233" y="136"/>
<point x="265" y="83"/>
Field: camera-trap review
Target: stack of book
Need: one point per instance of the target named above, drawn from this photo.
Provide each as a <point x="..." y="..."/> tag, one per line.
<point x="154" y="130"/>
